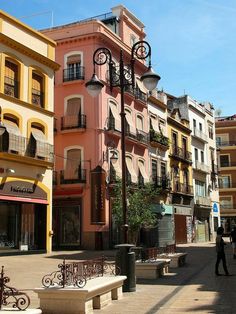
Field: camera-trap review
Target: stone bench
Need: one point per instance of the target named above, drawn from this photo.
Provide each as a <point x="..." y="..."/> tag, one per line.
<point x="97" y="293"/>
<point x="177" y="259"/>
<point x="151" y="269"/>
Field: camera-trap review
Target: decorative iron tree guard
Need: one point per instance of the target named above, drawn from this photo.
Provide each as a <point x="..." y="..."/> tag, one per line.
<point x="11" y="296"/>
<point x="77" y="273"/>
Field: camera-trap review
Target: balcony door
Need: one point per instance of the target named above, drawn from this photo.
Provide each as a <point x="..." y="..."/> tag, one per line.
<point x="73" y="164"/>
<point x="73" y="113"/>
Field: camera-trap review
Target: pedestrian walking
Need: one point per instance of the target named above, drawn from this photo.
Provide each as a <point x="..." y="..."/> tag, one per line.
<point x="220" y="250"/>
<point x="233" y="241"/>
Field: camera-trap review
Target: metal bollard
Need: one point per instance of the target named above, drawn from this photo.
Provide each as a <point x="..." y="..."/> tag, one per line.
<point x="125" y="260"/>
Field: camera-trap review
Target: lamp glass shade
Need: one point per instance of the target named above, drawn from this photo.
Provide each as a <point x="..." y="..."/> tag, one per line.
<point x="150" y="79"/>
<point x="94" y="86"/>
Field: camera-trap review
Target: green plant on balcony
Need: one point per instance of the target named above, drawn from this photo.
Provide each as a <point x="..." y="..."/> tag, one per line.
<point x="159" y="138"/>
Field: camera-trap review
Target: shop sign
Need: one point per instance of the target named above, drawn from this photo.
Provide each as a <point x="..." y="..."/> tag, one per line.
<point x="22" y="189"/>
<point x="98" y="193"/>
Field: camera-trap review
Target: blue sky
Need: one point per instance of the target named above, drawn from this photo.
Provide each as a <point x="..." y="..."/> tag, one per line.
<point x="193" y="41"/>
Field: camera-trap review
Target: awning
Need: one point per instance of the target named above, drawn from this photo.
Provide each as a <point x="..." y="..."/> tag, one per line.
<point x="23" y="199"/>
<point x="130" y="168"/>
<point x="143" y="171"/>
<point x="116" y="166"/>
<point x="16" y="141"/>
<point x="116" y="116"/>
<point x="41" y="143"/>
<point x="154" y="122"/>
<point x="129" y="120"/>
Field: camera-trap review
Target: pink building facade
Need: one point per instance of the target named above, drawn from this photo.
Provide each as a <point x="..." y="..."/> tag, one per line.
<point x="88" y="130"/>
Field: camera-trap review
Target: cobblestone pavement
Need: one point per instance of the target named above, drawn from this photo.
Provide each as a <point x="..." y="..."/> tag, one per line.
<point x="193" y="288"/>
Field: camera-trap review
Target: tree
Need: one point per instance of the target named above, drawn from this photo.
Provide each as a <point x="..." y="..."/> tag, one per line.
<point x="139" y="202"/>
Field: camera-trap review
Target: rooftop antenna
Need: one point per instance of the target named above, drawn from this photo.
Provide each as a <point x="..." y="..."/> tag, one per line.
<point x="37" y="14"/>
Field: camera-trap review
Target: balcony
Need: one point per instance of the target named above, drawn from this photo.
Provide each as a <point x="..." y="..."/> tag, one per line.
<point x="181" y="154"/>
<point x="11" y="87"/>
<point x="73" y="74"/>
<point x="142" y="137"/>
<point x="111" y="125"/>
<point x="227" y="164"/>
<point x="67" y="177"/>
<point x="227" y="206"/>
<point x="138" y="94"/>
<point x="225" y="143"/>
<point x="182" y="188"/>
<point x="21" y="146"/>
<point x="227" y="185"/>
<point x="200" y="135"/>
<point x="158" y="140"/>
<point x="73" y="122"/>
<point x="200" y="166"/>
<point x="202" y="201"/>
<point x="161" y="182"/>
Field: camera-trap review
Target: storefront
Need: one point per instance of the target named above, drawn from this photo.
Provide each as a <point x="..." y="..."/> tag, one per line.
<point x="23" y="219"/>
<point x="67" y="224"/>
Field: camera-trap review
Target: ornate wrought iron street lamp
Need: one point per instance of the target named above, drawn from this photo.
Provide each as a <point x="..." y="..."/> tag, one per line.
<point x="123" y="76"/>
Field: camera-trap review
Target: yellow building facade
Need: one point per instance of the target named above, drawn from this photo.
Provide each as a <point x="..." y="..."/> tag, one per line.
<point x="26" y="136"/>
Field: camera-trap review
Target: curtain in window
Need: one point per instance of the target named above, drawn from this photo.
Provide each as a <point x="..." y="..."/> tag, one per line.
<point x="73" y="164"/>
<point x="73" y="110"/>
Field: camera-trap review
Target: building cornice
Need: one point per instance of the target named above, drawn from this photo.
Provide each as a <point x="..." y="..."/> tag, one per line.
<point x="28" y="52"/>
<point x="178" y="125"/>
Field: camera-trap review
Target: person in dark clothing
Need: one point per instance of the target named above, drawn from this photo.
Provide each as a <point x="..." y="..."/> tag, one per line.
<point x="233" y="241"/>
<point x="220" y="252"/>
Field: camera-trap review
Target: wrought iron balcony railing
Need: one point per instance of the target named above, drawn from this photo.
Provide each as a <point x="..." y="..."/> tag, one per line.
<point x="228" y="206"/>
<point x="225" y="143"/>
<point x="228" y="164"/>
<point x="73" y="74"/>
<point x="11" y="87"/>
<point x="182" y="188"/>
<point x="142" y="137"/>
<point x="72" y="177"/>
<point x="158" y="138"/>
<point x="161" y="182"/>
<point x="16" y="144"/>
<point x="73" y="122"/>
<point x="227" y="185"/>
<point x="181" y="154"/>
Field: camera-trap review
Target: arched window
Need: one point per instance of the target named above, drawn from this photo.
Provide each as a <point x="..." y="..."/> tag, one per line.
<point x="131" y="175"/>
<point x="73" y="165"/>
<point x="72" y="118"/>
<point x="142" y="176"/>
<point x="140" y="123"/>
<point x="114" y="122"/>
<point x="37" y="89"/>
<point x="73" y="67"/>
<point x="38" y="144"/>
<point x="11" y="79"/>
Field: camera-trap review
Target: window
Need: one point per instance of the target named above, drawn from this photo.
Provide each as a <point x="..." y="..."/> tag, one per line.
<point x="174" y="140"/>
<point x="16" y="143"/>
<point x="154" y="123"/>
<point x="114" y="122"/>
<point x="194" y="123"/>
<point x="226" y="202"/>
<point x="162" y="125"/>
<point x="130" y="172"/>
<point x="11" y="84"/>
<point x="74" y="70"/>
<point x="73" y="164"/>
<point x="224" y="182"/>
<point x="143" y="177"/>
<point x="184" y="146"/>
<point x="163" y="169"/>
<point x="37" y="90"/>
<point x="154" y="169"/>
<point x="224" y="161"/>
<point x="200" y="188"/>
<point x="140" y="123"/>
<point x="130" y="128"/>
<point x="202" y="156"/>
<point x="200" y="126"/>
<point x="38" y="145"/>
<point x="72" y="117"/>
<point x="196" y="154"/>
<point x="210" y="131"/>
